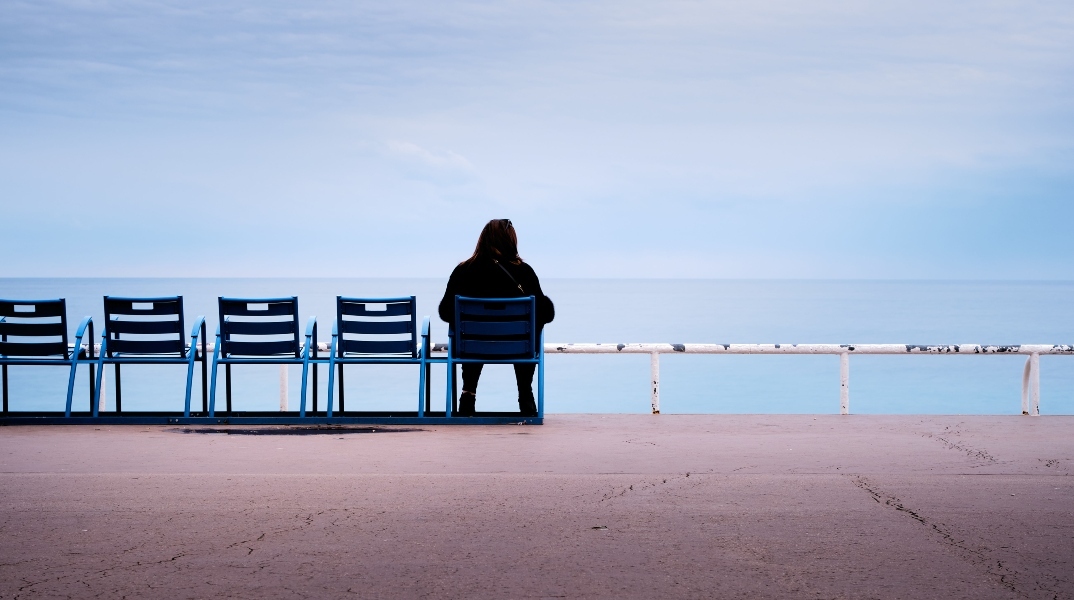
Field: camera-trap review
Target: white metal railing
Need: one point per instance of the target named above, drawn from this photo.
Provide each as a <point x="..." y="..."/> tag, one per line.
<point x="1030" y="374"/>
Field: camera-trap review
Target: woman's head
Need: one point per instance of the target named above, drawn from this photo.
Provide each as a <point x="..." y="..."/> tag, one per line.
<point x="497" y="241"/>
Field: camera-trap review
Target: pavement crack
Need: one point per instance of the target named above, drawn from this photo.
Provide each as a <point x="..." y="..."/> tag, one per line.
<point x="999" y="571"/>
<point x="1051" y="463"/>
<point x="639" y="487"/>
<point x="948" y="437"/>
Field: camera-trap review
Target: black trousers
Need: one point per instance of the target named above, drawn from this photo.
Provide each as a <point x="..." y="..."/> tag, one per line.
<point x="471" y="372"/>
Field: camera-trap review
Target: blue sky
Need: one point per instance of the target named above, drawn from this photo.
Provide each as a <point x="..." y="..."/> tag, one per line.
<point x="804" y="139"/>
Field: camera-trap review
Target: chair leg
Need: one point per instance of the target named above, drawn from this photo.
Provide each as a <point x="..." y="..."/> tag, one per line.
<point x="314" y="387"/>
<point x="328" y="406"/>
<point x="119" y="392"/>
<point x="189" y="383"/>
<point x="71" y="383"/>
<point x="92" y="390"/>
<point x="540" y="388"/>
<point x="302" y="402"/>
<point x="5" y="388"/>
<point x="204" y="382"/>
<point x="428" y="387"/>
<point x="212" y="389"/>
<point x="227" y="385"/>
<point x="97" y="388"/>
<point x="341" y="388"/>
<point x="447" y="394"/>
<point x="421" y="390"/>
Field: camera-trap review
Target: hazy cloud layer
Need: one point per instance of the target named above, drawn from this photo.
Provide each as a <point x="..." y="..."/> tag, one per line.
<point x="680" y="139"/>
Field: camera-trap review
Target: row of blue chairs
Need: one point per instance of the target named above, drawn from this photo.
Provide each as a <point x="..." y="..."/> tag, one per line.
<point x="267" y="331"/>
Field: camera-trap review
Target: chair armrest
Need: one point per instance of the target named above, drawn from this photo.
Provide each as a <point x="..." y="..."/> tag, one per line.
<point x="86" y="322"/>
<point x="79" y="333"/>
<point x="195" y="335"/>
<point x="425" y="350"/>
<point x="195" y="332"/>
<point x="310" y="348"/>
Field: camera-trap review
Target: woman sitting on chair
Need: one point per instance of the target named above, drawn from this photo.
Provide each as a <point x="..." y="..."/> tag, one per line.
<point x="496" y="271"/>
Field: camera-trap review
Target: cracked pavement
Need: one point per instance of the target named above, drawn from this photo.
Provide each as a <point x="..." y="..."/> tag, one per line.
<point x="637" y="506"/>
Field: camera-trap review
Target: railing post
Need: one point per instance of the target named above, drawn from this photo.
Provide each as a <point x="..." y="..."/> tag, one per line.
<point x="844" y="383"/>
<point x="283" y="388"/>
<point x="1031" y="386"/>
<point x="654" y="376"/>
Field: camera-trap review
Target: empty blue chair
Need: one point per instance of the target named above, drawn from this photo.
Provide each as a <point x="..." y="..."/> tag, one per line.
<point x="149" y="331"/>
<point x="495" y="331"/>
<point x="262" y="331"/>
<point x="377" y="331"/>
<point x="34" y="332"/>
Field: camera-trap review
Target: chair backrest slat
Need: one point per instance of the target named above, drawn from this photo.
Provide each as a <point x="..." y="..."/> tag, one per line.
<point x="374" y="307"/>
<point x="274" y="320"/>
<point x="259" y="307"/>
<point x="144" y="325"/>
<point x="39" y="326"/>
<point x="122" y="346"/>
<point x="495" y="328"/>
<point x="33" y="349"/>
<point x="170" y="305"/>
<point x="500" y="308"/>
<point x="261" y="327"/>
<point x="377" y="327"/>
<point x="32" y="309"/>
<point x="377" y="347"/>
<point x="31" y="329"/>
<point x="380" y="326"/>
<point x="495" y="348"/>
<point x="260" y="348"/>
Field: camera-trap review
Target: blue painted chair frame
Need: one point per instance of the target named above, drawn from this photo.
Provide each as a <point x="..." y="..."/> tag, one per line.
<point x="36" y="353"/>
<point x="116" y="350"/>
<point x="495" y="331"/>
<point x="370" y="322"/>
<point x="244" y="352"/>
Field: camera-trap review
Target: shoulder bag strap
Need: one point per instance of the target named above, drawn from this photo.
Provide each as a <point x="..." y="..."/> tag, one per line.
<point x="511" y="277"/>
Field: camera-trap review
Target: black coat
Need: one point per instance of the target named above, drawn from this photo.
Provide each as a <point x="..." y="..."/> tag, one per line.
<point x="485" y="279"/>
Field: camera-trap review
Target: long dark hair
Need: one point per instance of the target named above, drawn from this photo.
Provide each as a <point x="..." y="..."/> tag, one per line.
<point x="497" y="242"/>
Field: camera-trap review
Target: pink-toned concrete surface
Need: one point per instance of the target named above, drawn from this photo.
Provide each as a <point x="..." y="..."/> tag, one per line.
<point x="584" y="506"/>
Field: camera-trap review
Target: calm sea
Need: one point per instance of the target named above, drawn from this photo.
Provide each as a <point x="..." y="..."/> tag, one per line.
<point x="678" y="311"/>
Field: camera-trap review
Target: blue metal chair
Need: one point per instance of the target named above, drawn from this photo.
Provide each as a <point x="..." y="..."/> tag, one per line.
<point x="262" y="331"/>
<point x="495" y="331"/>
<point x="378" y="331"/>
<point x="149" y="331"/>
<point x="39" y="329"/>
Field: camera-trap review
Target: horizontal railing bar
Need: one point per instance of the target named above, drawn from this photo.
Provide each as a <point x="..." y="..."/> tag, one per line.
<point x="950" y="349"/>
<point x="662" y="348"/>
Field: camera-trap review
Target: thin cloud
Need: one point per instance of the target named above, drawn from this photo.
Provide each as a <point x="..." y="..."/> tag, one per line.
<point x="445" y="160"/>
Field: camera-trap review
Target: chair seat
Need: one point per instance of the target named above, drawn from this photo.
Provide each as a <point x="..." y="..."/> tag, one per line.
<point x="377" y="331"/>
<point x="499" y="331"/>
<point x="149" y="331"/>
<point x="40" y="331"/>
<point x="262" y="331"/>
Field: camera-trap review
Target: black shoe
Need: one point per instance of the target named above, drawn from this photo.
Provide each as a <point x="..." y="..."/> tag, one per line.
<point x="527" y="407"/>
<point x="467" y="402"/>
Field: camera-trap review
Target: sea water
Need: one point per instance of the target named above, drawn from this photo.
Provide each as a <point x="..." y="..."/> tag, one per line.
<point x="625" y="311"/>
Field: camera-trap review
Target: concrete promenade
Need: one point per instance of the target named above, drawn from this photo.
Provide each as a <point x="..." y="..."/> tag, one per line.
<point x="614" y="506"/>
